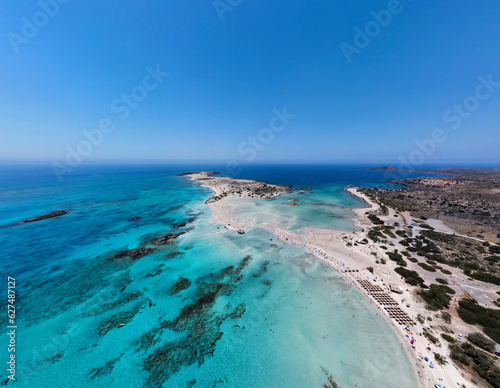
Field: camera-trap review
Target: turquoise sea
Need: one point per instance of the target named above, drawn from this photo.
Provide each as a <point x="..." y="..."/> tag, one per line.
<point x="134" y="287"/>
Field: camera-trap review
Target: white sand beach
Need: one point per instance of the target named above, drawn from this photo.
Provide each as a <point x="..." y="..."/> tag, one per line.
<point x="337" y="250"/>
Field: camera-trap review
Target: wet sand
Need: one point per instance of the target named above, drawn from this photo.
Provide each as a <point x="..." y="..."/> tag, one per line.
<point x="337" y="250"/>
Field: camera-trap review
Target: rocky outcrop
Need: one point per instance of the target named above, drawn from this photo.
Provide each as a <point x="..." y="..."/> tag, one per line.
<point x="46" y="216"/>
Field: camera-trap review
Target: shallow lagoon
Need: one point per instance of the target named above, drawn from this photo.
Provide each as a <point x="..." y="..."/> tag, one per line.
<point x="94" y="311"/>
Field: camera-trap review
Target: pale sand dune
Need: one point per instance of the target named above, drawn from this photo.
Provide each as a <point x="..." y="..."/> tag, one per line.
<point x="331" y="247"/>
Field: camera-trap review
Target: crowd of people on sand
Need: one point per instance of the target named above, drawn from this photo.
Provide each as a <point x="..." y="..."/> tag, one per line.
<point x="351" y="275"/>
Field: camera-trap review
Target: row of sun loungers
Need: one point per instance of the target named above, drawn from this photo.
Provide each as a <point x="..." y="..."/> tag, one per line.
<point x="399" y="315"/>
<point x="368" y="286"/>
<point x="384" y="299"/>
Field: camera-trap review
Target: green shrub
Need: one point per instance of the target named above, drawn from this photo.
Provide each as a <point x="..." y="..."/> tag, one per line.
<point x="493" y="377"/>
<point x="442" y="281"/>
<point x="485" y="277"/>
<point x="493" y="333"/>
<point x="374" y="219"/>
<point x="446" y="317"/>
<point x="427" y="267"/>
<point x="439" y="359"/>
<point x="448" y="338"/>
<point x="492" y="259"/>
<point x="411" y="277"/>
<point x="395" y="256"/>
<point x="431" y="338"/>
<point x="481" y="341"/>
<point x="375" y="235"/>
<point x="437" y="296"/>
<point x="473" y="313"/>
<point x="494" y="249"/>
<point x="481" y="360"/>
<point x="457" y="353"/>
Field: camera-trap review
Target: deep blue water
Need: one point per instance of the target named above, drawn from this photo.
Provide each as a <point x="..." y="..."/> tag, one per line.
<point x="101" y="301"/>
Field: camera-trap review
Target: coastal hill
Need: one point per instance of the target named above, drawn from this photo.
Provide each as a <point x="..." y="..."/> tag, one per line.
<point x="453" y="171"/>
<point x="467" y="200"/>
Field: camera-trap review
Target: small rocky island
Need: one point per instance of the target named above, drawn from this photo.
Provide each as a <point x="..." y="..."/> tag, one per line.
<point x="46" y="216"/>
<point x="227" y="187"/>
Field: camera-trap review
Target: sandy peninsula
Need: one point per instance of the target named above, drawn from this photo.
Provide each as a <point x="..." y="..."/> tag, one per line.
<point x="362" y="263"/>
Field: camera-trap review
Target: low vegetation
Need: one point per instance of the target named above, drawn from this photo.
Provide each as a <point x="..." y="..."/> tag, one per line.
<point x="439" y="359"/>
<point x="375" y="235"/>
<point x="411" y="277"/>
<point x="481" y="341"/>
<point x="466" y="254"/>
<point x="446" y="316"/>
<point x="482" y="364"/>
<point x="397" y="257"/>
<point x="494" y="249"/>
<point x="427" y="267"/>
<point x="375" y="220"/>
<point x="437" y="296"/>
<point x="431" y="338"/>
<point x="473" y="313"/>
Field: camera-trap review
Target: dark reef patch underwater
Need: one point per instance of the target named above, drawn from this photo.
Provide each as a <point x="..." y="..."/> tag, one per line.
<point x="198" y="324"/>
<point x="133" y="286"/>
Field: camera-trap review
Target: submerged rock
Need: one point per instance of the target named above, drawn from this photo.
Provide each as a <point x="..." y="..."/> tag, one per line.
<point x="180" y="285"/>
<point x="56" y="358"/>
<point x="330" y="382"/>
<point x="167" y="239"/>
<point x="46" y="216"/>
<point x="262" y="270"/>
<point x="199" y="324"/>
<point x="117" y="320"/>
<point x="125" y="299"/>
<point x="184" y="223"/>
<point x="157" y="271"/>
<point x="132" y="254"/>
<point x="173" y="253"/>
<point x="105" y="369"/>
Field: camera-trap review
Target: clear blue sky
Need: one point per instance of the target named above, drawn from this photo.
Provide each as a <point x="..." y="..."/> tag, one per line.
<point x="226" y="77"/>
